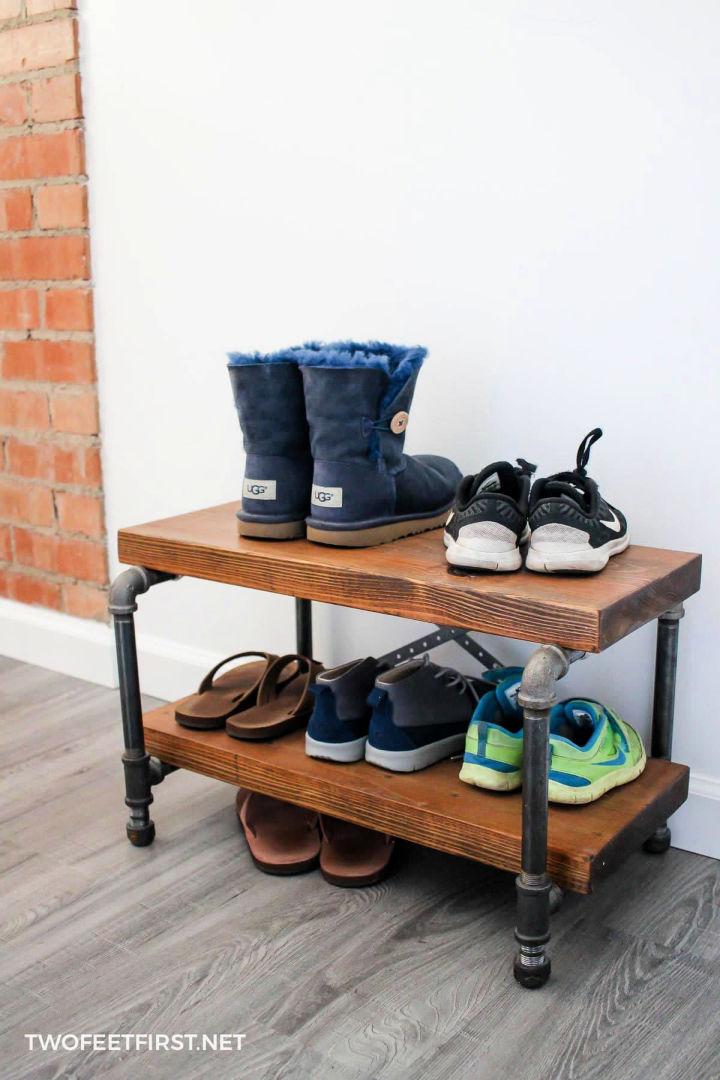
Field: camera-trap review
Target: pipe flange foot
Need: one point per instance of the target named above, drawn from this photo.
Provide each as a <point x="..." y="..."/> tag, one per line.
<point x="141" y="835"/>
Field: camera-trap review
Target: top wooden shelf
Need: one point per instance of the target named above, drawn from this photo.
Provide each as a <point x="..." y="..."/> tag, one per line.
<point x="410" y="578"/>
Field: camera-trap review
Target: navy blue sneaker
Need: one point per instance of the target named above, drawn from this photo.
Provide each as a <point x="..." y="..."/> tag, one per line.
<point x="338" y="727"/>
<point x="420" y="714"/>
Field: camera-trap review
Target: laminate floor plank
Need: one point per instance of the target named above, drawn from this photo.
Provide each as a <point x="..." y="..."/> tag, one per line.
<point x="410" y="978"/>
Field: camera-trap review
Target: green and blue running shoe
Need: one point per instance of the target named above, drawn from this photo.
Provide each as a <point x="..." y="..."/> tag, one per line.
<point x="592" y="751"/>
<point x="494" y="741"/>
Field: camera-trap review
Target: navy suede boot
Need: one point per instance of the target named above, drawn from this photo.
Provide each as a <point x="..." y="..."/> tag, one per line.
<point x="270" y="405"/>
<point x="365" y="489"/>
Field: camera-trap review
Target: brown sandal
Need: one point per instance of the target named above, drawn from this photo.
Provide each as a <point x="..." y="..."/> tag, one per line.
<point x="217" y="699"/>
<point x="352" y="856"/>
<point x="281" y="838"/>
<point x="283" y="704"/>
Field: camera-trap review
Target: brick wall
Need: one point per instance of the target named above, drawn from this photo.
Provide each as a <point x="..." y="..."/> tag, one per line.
<point x="52" y="532"/>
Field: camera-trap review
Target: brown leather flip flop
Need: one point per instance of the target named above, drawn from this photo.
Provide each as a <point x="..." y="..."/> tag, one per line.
<point x="219" y="698"/>
<point x="284" y="701"/>
<point x="351" y="856"/>
<point x="281" y="838"/>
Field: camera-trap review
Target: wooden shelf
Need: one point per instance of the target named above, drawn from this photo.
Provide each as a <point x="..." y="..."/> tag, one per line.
<point x="432" y="807"/>
<point x="410" y="578"/>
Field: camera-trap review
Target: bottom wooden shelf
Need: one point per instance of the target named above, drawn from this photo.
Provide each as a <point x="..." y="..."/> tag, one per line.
<point x="432" y="807"/>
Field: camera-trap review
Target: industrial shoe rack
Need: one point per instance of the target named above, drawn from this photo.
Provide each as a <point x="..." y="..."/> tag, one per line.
<point x="551" y="848"/>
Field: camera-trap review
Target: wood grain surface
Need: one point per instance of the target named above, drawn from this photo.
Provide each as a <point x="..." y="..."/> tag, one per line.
<point x="431" y="807"/>
<point x="410" y="578"/>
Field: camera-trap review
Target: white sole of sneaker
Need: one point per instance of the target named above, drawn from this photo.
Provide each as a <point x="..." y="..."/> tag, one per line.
<point x="414" y="760"/>
<point x="545" y="560"/>
<point x="458" y="554"/>
<point x="344" y="752"/>
<point x="575" y="796"/>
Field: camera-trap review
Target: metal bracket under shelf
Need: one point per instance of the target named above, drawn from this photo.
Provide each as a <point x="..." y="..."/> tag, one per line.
<point x="439" y="636"/>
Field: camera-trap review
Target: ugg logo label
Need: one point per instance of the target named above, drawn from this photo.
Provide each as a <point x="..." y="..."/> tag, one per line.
<point x="259" y="489"/>
<point x="327" y="496"/>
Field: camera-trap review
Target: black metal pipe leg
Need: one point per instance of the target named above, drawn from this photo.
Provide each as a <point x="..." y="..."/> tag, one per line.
<point x="303" y="627"/>
<point x="666" y="657"/>
<point x="136" y="760"/>
<point x="534" y="887"/>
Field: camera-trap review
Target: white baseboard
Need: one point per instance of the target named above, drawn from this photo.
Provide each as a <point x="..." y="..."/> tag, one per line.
<point x="169" y="670"/>
<point x="64" y="643"/>
<point x="86" y="650"/>
<point x="696" y="825"/>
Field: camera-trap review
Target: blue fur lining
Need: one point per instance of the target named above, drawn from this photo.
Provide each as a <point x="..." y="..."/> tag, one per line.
<point x="282" y="356"/>
<point x="398" y="362"/>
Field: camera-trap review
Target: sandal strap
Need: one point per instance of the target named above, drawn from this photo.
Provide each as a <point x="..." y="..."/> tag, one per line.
<point x="208" y="679"/>
<point x="272" y="684"/>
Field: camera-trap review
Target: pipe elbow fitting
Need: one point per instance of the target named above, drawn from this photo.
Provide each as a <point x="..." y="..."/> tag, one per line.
<point x="129" y="584"/>
<point x="546" y="665"/>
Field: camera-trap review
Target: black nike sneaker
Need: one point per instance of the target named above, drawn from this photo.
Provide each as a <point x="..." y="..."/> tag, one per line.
<point x="488" y="521"/>
<point x="571" y="525"/>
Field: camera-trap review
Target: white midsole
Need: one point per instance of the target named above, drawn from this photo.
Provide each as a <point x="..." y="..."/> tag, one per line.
<point x="458" y="554"/>
<point x="330" y="751"/>
<point x="412" y="760"/>
<point x="547" y="558"/>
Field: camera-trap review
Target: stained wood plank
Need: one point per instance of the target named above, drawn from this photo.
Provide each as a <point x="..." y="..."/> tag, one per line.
<point x="431" y="807"/>
<point x="410" y="578"/>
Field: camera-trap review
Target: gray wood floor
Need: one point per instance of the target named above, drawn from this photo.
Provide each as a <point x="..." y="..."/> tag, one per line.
<point x="407" y="979"/>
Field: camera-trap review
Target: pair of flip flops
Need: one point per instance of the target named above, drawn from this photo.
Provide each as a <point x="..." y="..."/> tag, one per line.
<point x="258" y="700"/>
<point x="286" y="839"/>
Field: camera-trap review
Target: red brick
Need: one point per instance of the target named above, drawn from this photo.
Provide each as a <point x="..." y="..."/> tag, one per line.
<point x="25" y="504"/>
<point x="34" y="461"/>
<point x="15" y="209"/>
<point x="49" y="361"/>
<point x="5" y="543"/>
<point x="69" y="309"/>
<point x="83" y="559"/>
<point x="42" y="258"/>
<point x="61" y="206"/>
<point x="46" y="44"/>
<point x="24" y="409"/>
<point x="19" y="309"/>
<point x="61" y="555"/>
<point x="77" y="465"/>
<point x="13" y="105"/>
<point x="80" y="514"/>
<point x="85" y="601"/>
<point x="76" y="414"/>
<point x="56" y="99"/>
<point x="54" y="464"/>
<point x="39" y="550"/>
<point x="39" y="7"/>
<point x="92" y="467"/>
<point x="30" y="590"/>
<point x="10" y="9"/>
<point x="28" y="157"/>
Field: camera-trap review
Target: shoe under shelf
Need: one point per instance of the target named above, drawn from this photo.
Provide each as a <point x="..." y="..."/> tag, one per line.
<point x="431" y="807"/>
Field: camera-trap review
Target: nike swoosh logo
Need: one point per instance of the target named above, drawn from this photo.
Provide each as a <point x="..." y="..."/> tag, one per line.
<point x="613" y="524"/>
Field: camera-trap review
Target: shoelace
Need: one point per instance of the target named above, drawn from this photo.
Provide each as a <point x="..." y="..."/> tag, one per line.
<point x="583" y="454"/>
<point x="454" y="678"/>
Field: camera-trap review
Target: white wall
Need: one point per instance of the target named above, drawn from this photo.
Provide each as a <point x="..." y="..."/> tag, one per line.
<point x="529" y="189"/>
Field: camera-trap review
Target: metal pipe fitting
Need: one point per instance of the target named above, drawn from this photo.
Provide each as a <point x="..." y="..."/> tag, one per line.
<point x="129" y="584"/>
<point x="546" y="665"/>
